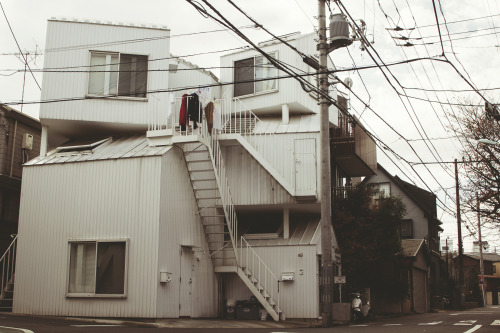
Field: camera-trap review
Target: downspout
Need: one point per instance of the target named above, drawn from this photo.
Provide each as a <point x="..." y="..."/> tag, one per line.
<point x="13" y="150"/>
<point x="412" y="296"/>
<point x="4" y="142"/>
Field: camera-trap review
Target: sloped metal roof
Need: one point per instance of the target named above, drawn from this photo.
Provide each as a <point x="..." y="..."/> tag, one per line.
<point x="302" y="234"/>
<point x="115" y="148"/>
<point x="411" y="246"/>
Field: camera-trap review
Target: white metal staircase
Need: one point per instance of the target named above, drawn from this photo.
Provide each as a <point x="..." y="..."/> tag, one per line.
<point x="8" y="268"/>
<point x="230" y="253"/>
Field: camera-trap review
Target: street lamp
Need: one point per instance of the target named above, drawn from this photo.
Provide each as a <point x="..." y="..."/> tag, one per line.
<point x="488" y="142"/>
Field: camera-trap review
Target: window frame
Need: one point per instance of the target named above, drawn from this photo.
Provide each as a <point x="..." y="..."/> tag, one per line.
<point x="274" y="54"/>
<point x="107" y="68"/>
<point x="69" y="294"/>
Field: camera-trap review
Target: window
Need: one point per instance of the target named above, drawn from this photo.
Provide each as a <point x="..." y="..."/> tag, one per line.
<point x="383" y="190"/>
<point x="97" y="268"/>
<point x="494" y="269"/>
<point x="406" y="229"/>
<point x="118" y="74"/>
<point x="248" y="70"/>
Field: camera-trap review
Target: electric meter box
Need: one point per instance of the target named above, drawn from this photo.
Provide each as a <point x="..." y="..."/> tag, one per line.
<point x="287" y="276"/>
<point x="27" y="141"/>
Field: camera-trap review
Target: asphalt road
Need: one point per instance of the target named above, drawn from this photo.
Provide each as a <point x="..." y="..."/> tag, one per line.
<point x="480" y="320"/>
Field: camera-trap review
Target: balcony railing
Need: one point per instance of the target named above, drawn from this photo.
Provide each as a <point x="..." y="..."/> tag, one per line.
<point x="353" y="149"/>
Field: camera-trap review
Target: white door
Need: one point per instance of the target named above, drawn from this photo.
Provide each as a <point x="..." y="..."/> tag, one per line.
<point x="186" y="282"/>
<point x="305" y="166"/>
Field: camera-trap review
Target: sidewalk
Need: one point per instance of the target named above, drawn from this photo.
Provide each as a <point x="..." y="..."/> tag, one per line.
<point x="187" y="322"/>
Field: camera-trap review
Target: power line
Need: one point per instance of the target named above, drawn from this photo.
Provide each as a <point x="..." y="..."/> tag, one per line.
<point x="24" y="57"/>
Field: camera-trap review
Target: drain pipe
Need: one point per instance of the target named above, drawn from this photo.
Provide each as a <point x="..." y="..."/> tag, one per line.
<point x="13" y="150"/>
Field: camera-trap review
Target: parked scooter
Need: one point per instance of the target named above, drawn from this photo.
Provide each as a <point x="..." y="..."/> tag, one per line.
<point x="359" y="311"/>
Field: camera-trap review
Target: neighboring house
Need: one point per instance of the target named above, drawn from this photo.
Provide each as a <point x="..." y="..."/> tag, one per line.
<point x="19" y="142"/>
<point x="135" y="216"/>
<point x="472" y="276"/>
<point x="420" y="224"/>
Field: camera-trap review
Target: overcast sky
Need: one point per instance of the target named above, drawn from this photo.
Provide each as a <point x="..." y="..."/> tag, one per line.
<point x="472" y="26"/>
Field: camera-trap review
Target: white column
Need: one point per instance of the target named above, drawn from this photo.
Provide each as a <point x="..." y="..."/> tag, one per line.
<point x="286" y="223"/>
<point x="285" y="114"/>
<point x="44" y="140"/>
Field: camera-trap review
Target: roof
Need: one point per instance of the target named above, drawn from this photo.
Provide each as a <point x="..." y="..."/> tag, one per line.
<point x="191" y="65"/>
<point x="115" y="148"/>
<point x="22" y="117"/>
<point x="424" y="199"/>
<point x="302" y="234"/>
<point x="411" y="246"/>
<point x="119" y="24"/>
<point x="486" y="256"/>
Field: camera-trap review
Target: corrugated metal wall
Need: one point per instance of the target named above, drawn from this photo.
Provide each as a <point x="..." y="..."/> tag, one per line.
<point x="289" y="90"/>
<point x="68" y="45"/>
<point x="91" y="200"/>
<point x="180" y="226"/>
<point x="250" y="184"/>
<point x="298" y="298"/>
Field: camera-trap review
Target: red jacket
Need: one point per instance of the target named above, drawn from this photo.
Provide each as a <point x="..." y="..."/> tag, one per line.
<point x="183" y="113"/>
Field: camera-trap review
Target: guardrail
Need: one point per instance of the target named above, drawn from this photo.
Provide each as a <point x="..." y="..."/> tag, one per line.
<point x="8" y="265"/>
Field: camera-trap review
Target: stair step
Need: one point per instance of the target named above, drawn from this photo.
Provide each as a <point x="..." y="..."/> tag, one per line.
<point x="195" y="152"/>
<point x="217" y="233"/>
<point x="213" y="215"/>
<point x="226" y="269"/>
<point x="198" y="161"/>
<point x="203" y="180"/>
<point x="265" y="294"/>
<point x="209" y="198"/>
<point x="206" y="189"/>
<point x="204" y="170"/>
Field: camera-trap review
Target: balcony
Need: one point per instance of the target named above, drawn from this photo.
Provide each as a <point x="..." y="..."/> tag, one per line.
<point x="353" y="150"/>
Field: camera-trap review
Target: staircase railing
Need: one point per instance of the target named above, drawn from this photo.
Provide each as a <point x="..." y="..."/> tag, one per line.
<point x="251" y="260"/>
<point x="8" y="266"/>
<point x="223" y="184"/>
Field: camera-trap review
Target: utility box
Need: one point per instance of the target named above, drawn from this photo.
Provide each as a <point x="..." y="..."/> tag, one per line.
<point x="27" y="141"/>
<point x="287" y="276"/>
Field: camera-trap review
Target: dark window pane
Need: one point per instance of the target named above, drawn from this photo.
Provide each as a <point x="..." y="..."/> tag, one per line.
<point x="133" y="75"/>
<point x="110" y="273"/>
<point x="243" y="71"/>
<point x="407" y="229"/>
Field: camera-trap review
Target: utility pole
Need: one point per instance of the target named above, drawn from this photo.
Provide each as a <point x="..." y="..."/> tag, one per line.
<point x="326" y="208"/>
<point x="447" y="267"/>
<point x="460" y="245"/>
<point x="481" y="265"/>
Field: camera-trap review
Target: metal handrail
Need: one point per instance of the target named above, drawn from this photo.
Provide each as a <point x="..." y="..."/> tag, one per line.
<point x="8" y="263"/>
<point x="263" y="274"/>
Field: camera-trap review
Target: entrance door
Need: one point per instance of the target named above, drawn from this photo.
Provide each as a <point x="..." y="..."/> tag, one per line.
<point x="185" y="289"/>
<point x="419" y="291"/>
<point x="305" y="166"/>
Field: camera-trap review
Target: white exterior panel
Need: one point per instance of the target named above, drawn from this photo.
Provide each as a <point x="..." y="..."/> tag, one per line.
<point x="251" y="184"/>
<point x="298" y="298"/>
<point x="68" y="46"/>
<point x="91" y="200"/>
<point x="180" y="226"/>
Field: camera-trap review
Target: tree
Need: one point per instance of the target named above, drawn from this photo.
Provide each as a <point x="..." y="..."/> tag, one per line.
<point x="481" y="162"/>
<point x="369" y="241"/>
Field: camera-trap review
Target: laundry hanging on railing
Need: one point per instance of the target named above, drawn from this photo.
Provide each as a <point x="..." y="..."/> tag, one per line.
<point x="209" y="115"/>
<point x="217" y="117"/>
<point x="194" y="109"/>
<point x="183" y="112"/>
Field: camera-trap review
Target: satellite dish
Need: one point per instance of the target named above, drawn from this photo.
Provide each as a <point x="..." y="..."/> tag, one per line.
<point x="348" y="82"/>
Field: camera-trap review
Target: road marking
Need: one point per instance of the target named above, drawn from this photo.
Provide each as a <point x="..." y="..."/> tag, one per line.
<point x="465" y="322"/>
<point x="358" y="325"/>
<point x="454" y="314"/>
<point x="433" y="323"/>
<point x="102" y="325"/>
<point x="392" y="324"/>
<point x="14" y="329"/>
<point x="496" y="323"/>
<point x="475" y="328"/>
